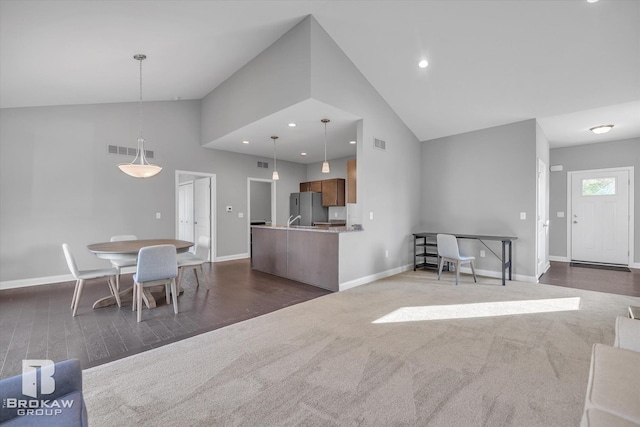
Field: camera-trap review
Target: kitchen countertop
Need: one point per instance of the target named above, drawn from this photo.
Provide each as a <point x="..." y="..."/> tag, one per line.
<point x="341" y="229"/>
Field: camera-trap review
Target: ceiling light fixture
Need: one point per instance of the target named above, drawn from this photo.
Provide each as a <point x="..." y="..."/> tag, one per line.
<point x="601" y="129"/>
<point x="275" y="175"/>
<point x="423" y="63"/>
<point x="352" y="142"/>
<point x="592" y="1"/>
<point x="245" y="142"/>
<point x="292" y="125"/>
<point x="140" y="167"/>
<point x="325" y="164"/>
<point x="303" y="154"/>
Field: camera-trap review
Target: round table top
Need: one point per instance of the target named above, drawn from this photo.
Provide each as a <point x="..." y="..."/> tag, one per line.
<point x="134" y="246"/>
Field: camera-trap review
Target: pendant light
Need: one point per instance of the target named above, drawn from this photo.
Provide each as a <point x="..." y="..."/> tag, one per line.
<point x="140" y="167"/>
<point x="325" y="164"/>
<point x="275" y="175"/>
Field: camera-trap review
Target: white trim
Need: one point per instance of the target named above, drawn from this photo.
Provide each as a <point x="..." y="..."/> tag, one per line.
<point x="558" y="258"/>
<point x="635" y="265"/>
<point x="212" y="227"/>
<point x="629" y="169"/>
<point x="373" y="277"/>
<point x="232" y="257"/>
<point x="498" y="275"/>
<point x="35" y="281"/>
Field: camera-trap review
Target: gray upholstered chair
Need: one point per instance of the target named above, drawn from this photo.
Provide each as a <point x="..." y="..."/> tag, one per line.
<point x="195" y="261"/>
<point x="157" y="265"/>
<point x="448" y="251"/>
<point x="66" y="393"/>
<point x="120" y="263"/>
<point x="84" y="275"/>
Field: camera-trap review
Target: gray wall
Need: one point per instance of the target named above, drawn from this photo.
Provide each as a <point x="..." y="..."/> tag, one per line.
<point x="260" y="201"/>
<point x="584" y="157"/>
<point x="58" y="184"/>
<point x="478" y="183"/>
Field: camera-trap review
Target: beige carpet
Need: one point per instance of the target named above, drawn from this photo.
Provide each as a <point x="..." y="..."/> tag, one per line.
<point x="325" y="362"/>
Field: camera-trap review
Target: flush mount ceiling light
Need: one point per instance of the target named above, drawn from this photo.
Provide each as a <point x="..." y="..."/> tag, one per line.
<point x="303" y="154"/>
<point x="601" y="129"/>
<point x="352" y="142"/>
<point x="325" y="164"/>
<point x="423" y="63"/>
<point x="245" y="142"/>
<point x="592" y="1"/>
<point x="274" y="175"/>
<point x="140" y="167"/>
<point x="292" y="125"/>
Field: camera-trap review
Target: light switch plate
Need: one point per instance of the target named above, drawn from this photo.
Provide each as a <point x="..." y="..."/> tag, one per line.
<point x="229" y="208"/>
<point x="370" y="215"/>
<point x="240" y="214"/>
<point x="560" y="214"/>
<point x="158" y="216"/>
<point x="523" y="215"/>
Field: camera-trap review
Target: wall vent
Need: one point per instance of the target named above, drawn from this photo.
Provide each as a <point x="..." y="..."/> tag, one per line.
<point x="127" y="151"/>
<point x="264" y="165"/>
<point x="379" y="144"/>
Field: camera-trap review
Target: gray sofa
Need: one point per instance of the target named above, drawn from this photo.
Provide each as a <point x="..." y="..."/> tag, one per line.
<point x="613" y="390"/>
<point x="64" y="407"/>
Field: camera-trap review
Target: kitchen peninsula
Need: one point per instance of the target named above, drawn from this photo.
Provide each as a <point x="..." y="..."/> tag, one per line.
<point x="306" y="254"/>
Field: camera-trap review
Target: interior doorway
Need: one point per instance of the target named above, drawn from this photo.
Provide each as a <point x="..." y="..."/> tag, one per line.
<point x="601" y="215"/>
<point x="542" y="220"/>
<point x="261" y="204"/>
<point x="195" y="208"/>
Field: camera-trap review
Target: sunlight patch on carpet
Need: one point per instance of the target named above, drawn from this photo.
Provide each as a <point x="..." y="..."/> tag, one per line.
<point x="483" y="309"/>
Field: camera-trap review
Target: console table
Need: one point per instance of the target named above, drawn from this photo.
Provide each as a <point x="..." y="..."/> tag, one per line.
<point x="420" y="241"/>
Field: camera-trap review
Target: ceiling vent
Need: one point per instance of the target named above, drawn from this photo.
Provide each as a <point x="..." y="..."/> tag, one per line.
<point x="379" y="144"/>
<point x="264" y="165"/>
<point x="126" y="151"/>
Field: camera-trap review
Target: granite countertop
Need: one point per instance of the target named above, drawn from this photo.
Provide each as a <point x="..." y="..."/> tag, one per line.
<point x="341" y="229"/>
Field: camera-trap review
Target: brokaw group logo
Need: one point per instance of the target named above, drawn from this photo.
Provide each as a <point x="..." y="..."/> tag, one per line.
<point x="35" y="406"/>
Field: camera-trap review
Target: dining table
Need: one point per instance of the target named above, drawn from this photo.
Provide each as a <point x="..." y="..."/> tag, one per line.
<point x="128" y="249"/>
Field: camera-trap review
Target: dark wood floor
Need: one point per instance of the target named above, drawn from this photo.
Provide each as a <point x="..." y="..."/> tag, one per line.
<point x="36" y="322"/>
<point x="591" y="279"/>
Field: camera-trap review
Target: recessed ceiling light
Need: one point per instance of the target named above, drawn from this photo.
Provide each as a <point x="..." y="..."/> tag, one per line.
<point x="592" y="1"/>
<point x="245" y="142"/>
<point x="352" y="142"/>
<point x="423" y="63"/>
<point x="601" y="129"/>
<point x="292" y="125"/>
<point x="303" y="154"/>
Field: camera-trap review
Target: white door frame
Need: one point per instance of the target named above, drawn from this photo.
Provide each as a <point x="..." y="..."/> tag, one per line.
<point x="213" y="229"/>
<point x="273" y="206"/>
<point x="631" y="209"/>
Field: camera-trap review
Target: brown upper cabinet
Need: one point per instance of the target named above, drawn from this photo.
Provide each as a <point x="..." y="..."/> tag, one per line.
<point x="333" y="192"/>
<point x="315" y="186"/>
<point x="351" y="181"/>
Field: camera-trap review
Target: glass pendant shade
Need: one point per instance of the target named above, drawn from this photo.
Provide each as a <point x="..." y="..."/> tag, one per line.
<point x="325" y="164"/>
<point x="325" y="167"/>
<point x="275" y="176"/>
<point x="140" y="166"/>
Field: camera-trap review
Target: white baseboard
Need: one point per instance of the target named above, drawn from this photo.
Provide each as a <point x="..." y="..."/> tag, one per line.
<point x="373" y="277"/>
<point x="498" y="275"/>
<point x="35" y="281"/>
<point x="558" y="258"/>
<point x="232" y="257"/>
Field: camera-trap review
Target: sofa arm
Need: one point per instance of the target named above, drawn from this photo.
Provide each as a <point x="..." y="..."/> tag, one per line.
<point x="627" y="334"/>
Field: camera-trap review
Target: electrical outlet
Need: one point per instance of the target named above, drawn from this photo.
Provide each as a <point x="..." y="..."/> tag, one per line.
<point x="482" y="253"/>
<point x="386" y="254"/>
<point x="335" y="214"/>
<point x="523" y="215"/>
<point x="158" y="216"/>
<point x="371" y="215"/>
<point x="560" y="214"/>
<point x="240" y="214"/>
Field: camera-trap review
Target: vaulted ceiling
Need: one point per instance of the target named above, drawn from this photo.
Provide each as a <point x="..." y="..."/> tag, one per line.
<point x="569" y="63"/>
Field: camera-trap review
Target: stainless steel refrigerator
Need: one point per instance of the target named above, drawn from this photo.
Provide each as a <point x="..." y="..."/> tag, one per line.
<point x="309" y="206"/>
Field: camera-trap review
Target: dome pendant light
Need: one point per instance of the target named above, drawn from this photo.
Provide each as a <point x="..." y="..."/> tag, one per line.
<point x="140" y="167"/>
<point x="325" y="164"/>
<point x="275" y="175"/>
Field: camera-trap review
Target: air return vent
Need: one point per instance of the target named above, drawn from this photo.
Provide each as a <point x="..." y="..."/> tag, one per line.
<point x="264" y="165"/>
<point x="127" y="151"/>
<point x="379" y="144"/>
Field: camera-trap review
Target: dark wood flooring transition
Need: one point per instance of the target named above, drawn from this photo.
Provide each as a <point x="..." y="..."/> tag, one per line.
<point x="36" y="322"/>
<point x="592" y="279"/>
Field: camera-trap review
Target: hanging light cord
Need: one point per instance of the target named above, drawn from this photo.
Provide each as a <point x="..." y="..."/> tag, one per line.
<point x="325" y="141"/>
<point x="140" y="99"/>
<point x="275" y="162"/>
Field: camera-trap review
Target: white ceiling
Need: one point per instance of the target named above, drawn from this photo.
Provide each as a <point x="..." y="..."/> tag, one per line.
<point x="569" y="63"/>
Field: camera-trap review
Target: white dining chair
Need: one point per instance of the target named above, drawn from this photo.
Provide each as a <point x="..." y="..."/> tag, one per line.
<point x="157" y="265"/>
<point x="448" y="251"/>
<point x="83" y="275"/>
<point x="195" y="261"/>
<point x="120" y="263"/>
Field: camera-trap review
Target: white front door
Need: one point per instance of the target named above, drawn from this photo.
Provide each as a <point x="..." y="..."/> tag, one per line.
<point x="542" y="218"/>
<point x="202" y="208"/>
<point x="600" y="216"/>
